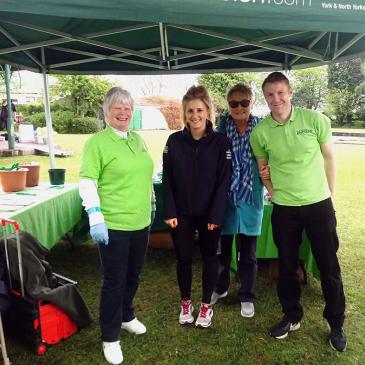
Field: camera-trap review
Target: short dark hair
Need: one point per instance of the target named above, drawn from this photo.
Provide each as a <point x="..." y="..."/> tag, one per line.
<point x="275" y="77"/>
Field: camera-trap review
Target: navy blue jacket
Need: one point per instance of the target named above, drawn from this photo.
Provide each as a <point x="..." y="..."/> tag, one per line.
<point x="196" y="175"/>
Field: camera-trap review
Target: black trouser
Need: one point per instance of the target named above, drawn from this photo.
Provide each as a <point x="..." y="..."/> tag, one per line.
<point x="319" y="222"/>
<point x="122" y="260"/>
<point x="247" y="265"/>
<point x="183" y="238"/>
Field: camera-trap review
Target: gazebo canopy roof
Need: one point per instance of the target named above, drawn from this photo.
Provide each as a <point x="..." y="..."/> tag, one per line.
<point x="175" y="36"/>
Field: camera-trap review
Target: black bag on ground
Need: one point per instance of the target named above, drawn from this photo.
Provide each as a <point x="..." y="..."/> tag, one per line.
<point x="52" y="308"/>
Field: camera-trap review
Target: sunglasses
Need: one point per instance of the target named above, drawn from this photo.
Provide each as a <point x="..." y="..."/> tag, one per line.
<point x="244" y="103"/>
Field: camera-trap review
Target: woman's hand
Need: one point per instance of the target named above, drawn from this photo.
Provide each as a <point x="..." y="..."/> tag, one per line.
<point x="265" y="172"/>
<point x="172" y="222"/>
<point x="212" y="226"/>
<point x="99" y="233"/>
<point x="268" y="196"/>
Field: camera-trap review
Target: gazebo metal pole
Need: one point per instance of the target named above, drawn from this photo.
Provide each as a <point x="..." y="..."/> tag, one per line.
<point x="10" y="120"/>
<point x="47" y="110"/>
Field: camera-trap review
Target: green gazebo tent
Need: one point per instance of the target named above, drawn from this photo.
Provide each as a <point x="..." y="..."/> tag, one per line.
<point x="177" y="36"/>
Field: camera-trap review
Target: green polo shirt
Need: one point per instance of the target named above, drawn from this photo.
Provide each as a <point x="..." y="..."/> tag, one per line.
<point x="123" y="169"/>
<point x="293" y="150"/>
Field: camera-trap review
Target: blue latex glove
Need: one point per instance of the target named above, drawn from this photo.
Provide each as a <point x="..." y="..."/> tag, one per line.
<point x="99" y="233"/>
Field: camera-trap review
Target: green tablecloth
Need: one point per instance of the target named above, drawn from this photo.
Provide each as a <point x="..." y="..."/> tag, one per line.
<point x="266" y="248"/>
<point x="49" y="212"/>
<point x="158" y="224"/>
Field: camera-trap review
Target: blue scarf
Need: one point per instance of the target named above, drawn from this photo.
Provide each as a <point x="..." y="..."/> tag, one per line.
<point x="242" y="173"/>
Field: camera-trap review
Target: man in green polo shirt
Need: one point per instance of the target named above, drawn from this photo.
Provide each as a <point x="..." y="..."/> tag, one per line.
<point x="296" y="143"/>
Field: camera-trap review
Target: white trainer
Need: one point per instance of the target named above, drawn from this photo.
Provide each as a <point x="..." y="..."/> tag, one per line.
<point x="247" y="309"/>
<point x="204" y="319"/>
<point x="216" y="296"/>
<point x="134" y="326"/>
<point x="186" y="312"/>
<point x="112" y="352"/>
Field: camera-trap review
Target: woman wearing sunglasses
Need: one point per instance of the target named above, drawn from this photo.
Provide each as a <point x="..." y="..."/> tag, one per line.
<point x="245" y="203"/>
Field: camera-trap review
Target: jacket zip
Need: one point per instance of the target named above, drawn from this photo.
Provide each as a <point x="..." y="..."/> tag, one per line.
<point x="195" y="179"/>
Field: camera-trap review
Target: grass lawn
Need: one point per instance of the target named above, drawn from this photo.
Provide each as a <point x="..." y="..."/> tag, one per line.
<point x="231" y="339"/>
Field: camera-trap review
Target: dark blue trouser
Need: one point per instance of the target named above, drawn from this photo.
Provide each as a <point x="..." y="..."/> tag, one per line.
<point x="319" y="222"/>
<point x="122" y="260"/>
<point x="183" y="237"/>
<point x="247" y="265"/>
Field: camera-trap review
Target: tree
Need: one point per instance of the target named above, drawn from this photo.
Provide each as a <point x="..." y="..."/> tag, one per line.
<point x="345" y="75"/>
<point x="310" y="87"/>
<point x="152" y="85"/>
<point x="84" y="93"/>
<point x="218" y="85"/>
<point x="360" y="92"/>
<point x="341" y="106"/>
<point x="15" y="80"/>
<point x="344" y="82"/>
<point x="2" y="78"/>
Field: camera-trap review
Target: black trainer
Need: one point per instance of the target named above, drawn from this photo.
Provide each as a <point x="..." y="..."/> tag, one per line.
<point x="338" y="339"/>
<point x="281" y="329"/>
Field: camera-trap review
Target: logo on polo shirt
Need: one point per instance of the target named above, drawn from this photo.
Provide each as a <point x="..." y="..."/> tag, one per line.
<point x="304" y="131"/>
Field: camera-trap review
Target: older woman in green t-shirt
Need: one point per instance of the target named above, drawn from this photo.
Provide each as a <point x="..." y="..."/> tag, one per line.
<point x="115" y="186"/>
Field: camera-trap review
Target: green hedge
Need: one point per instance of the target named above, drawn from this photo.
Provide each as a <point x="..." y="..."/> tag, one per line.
<point x="37" y="119"/>
<point x="359" y="124"/>
<point x="65" y="122"/>
<point x="30" y="109"/>
<point x="84" y="125"/>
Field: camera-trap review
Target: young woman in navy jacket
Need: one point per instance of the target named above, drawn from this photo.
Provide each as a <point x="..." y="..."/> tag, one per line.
<point x="196" y="180"/>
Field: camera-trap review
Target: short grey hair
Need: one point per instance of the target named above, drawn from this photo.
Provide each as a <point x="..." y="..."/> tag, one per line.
<point x="116" y="95"/>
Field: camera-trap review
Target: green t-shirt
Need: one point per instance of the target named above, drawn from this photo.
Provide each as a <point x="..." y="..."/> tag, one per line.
<point x="123" y="169"/>
<point x="293" y="150"/>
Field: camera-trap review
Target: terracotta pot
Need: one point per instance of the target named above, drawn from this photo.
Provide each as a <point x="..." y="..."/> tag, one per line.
<point x="13" y="180"/>
<point x="32" y="175"/>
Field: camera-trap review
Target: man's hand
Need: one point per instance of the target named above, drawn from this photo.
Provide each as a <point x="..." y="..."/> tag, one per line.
<point x="212" y="226"/>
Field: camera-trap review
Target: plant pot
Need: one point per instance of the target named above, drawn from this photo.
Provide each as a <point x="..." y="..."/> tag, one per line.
<point x="56" y="176"/>
<point x="32" y="175"/>
<point x="14" y="180"/>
